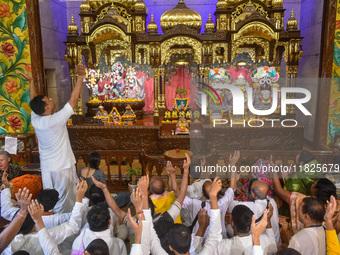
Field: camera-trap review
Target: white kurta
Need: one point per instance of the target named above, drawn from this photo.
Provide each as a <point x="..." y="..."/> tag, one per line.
<point x="194" y="206"/>
<point x="151" y="243"/>
<point x="30" y="242"/>
<point x="8" y="211"/>
<point x="258" y="207"/>
<point x="116" y="245"/>
<point x="57" y="161"/>
<point x="311" y="241"/>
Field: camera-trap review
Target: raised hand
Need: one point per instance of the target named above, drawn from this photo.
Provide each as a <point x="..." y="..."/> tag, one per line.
<point x="331" y="207"/>
<point x="27" y="76"/>
<point x="169" y="168"/>
<point x="36" y="210"/>
<point x="137" y="199"/>
<point x="216" y="186"/>
<point x="5" y="180"/>
<point x="143" y="184"/>
<point x="256" y="230"/>
<point x="80" y="190"/>
<point x="80" y="70"/>
<point x="137" y="228"/>
<point x="203" y="218"/>
<point x="24" y="199"/>
<point x="187" y="162"/>
<point x="234" y="158"/>
<point x="98" y="183"/>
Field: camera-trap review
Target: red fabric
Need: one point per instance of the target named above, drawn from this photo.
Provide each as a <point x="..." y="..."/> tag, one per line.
<point x="149" y="92"/>
<point x="32" y="182"/>
<point x="179" y="79"/>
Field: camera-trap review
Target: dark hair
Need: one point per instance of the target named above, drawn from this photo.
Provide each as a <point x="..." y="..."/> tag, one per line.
<point x="205" y="193"/>
<point x="314" y="208"/>
<point x="48" y="198"/>
<point x="242" y="216"/>
<point x="258" y="193"/>
<point x="289" y="251"/>
<point x="151" y="206"/>
<point x="27" y="226"/>
<point x="96" y="195"/>
<point x="179" y="237"/>
<point x="99" y="217"/>
<point x="306" y="157"/>
<point x="157" y="190"/>
<point x="98" y="247"/>
<point x="325" y="189"/>
<point x="94" y="160"/>
<point x="38" y="105"/>
<point x="21" y="252"/>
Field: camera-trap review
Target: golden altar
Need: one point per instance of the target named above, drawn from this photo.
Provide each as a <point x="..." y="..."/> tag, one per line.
<point x="116" y="28"/>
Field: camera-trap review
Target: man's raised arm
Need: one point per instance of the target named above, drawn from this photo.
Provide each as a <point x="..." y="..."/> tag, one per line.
<point x="78" y="86"/>
<point x="33" y="90"/>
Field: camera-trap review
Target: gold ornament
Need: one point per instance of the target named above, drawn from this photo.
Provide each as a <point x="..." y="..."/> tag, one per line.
<point x="292" y="23"/>
<point x="72" y="28"/>
<point x="140" y="5"/>
<point x="181" y="14"/>
<point x="221" y="4"/>
<point x="85" y="6"/>
<point x="277" y="3"/>
<point x="152" y="26"/>
<point x="209" y="26"/>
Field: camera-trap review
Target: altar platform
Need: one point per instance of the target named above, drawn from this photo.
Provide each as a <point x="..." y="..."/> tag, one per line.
<point x="158" y="138"/>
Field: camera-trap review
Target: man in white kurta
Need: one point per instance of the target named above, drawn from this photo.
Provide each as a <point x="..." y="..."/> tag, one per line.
<point x="312" y="239"/>
<point x="259" y="205"/>
<point x="57" y="161"/>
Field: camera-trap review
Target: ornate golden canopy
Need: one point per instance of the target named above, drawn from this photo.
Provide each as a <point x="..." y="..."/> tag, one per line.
<point x="181" y="14"/>
<point x="243" y="29"/>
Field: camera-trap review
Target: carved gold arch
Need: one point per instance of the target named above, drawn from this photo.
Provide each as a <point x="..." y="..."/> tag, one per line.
<point x="123" y="17"/>
<point x="249" y="40"/>
<point x="180" y="40"/>
<point x="126" y="45"/>
<point x="108" y="28"/>
<point x="257" y="26"/>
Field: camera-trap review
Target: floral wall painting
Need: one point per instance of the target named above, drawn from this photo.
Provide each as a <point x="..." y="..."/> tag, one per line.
<point x="14" y="58"/>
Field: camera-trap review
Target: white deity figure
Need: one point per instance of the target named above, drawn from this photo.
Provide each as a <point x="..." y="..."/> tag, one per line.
<point x="117" y="81"/>
<point x="134" y="87"/>
<point x="242" y="84"/>
<point x="265" y="79"/>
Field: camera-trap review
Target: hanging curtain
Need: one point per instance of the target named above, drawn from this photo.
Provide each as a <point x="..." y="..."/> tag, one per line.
<point x="180" y="78"/>
<point x="149" y="92"/>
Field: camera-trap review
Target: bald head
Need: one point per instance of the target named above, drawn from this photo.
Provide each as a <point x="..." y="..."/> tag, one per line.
<point x="157" y="185"/>
<point x="260" y="189"/>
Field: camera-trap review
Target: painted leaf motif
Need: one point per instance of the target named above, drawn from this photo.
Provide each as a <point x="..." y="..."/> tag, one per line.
<point x="332" y="129"/>
<point x="21" y="21"/>
<point x="25" y="97"/>
<point x="336" y="57"/>
<point x="2" y="130"/>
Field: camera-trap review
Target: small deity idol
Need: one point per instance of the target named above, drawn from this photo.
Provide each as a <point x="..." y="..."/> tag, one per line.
<point x="182" y="126"/>
<point x="101" y="114"/>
